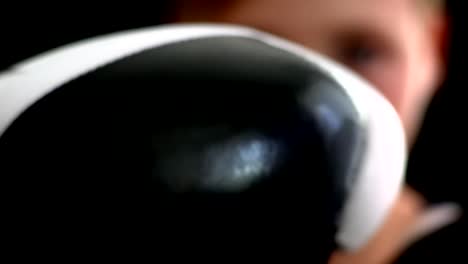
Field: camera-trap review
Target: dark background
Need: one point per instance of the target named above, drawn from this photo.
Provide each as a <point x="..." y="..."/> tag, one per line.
<point x="438" y="162"/>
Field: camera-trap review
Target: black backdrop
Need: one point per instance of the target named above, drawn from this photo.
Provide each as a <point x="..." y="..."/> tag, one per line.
<point x="438" y="163"/>
<point x="28" y="29"/>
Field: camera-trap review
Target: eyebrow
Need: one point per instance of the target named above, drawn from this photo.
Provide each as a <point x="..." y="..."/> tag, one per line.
<point x="355" y="34"/>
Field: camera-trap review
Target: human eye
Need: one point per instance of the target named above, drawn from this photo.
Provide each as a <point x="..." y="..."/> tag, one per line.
<point x="360" y="54"/>
<point x="361" y="50"/>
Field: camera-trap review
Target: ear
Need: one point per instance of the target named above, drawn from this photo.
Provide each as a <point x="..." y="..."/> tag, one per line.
<point x="439" y="34"/>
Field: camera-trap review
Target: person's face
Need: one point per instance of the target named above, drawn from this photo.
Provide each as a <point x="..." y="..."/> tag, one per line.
<point x="391" y="43"/>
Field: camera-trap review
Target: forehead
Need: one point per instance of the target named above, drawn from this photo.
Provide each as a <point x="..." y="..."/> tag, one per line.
<point x="320" y="14"/>
<point x="325" y="8"/>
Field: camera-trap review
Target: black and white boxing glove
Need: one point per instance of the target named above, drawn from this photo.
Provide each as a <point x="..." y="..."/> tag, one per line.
<point x="203" y="116"/>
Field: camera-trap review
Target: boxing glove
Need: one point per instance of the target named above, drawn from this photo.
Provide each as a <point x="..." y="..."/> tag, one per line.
<point x="204" y="117"/>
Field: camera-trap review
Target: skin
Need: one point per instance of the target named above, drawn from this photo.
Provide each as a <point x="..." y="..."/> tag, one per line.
<point x="397" y="45"/>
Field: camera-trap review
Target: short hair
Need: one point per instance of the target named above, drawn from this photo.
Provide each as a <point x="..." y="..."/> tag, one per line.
<point x="436" y="3"/>
<point x="433" y="4"/>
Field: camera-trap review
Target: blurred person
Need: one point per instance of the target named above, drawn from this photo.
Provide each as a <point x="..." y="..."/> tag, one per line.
<point x="397" y="45"/>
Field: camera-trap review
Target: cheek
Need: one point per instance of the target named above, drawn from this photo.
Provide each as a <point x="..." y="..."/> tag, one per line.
<point x="393" y="79"/>
<point x="390" y="77"/>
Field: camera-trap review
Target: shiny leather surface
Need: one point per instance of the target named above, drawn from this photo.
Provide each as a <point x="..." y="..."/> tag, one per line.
<point x="226" y="125"/>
